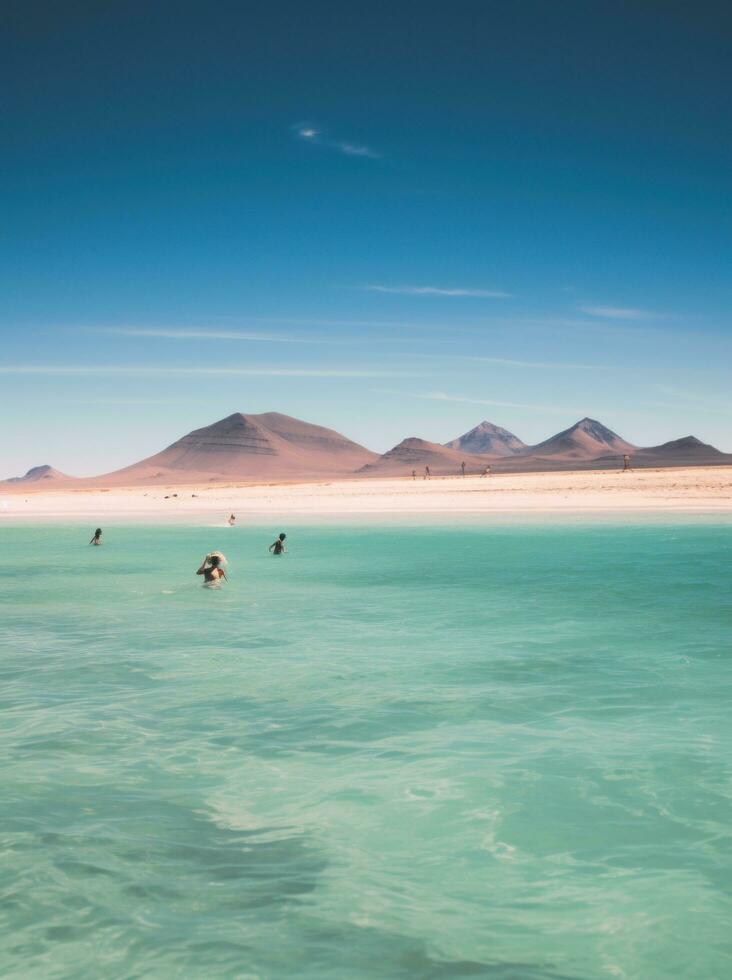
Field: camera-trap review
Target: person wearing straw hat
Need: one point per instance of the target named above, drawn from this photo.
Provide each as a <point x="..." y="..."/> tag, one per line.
<point x="212" y="569"/>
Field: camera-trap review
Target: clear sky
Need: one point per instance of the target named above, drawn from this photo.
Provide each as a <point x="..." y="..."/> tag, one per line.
<point x="394" y="218"/>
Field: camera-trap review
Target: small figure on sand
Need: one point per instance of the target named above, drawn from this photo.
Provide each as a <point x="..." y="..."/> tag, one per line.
<point x="278" y="545"/>
<point x="486" y="471"/>
<point x="626" y="464"/>
<point x="212" y="570"/>
<point x="232" y="520"/>
<point x="427" y="474"/>
<point x="462" y="467"/>
<point x="414" y="474"/>
<point x="97" y="539"/>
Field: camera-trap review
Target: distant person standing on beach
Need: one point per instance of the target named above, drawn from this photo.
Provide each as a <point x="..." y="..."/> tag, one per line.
<point x="486" y="471"/>
<point x="414" y="474"/>
<point x="427" y="474"/>
<point x="278" y="545"/>
<point x="97" y="539"/>
<point x="462" y="467"/>
<point x="626" y="464"/>
<point x="232" y="520"/>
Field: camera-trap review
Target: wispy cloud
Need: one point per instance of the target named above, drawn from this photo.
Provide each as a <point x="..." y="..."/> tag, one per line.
<point x="438" y="291"/>
<point x="62" y="370"/>
<point x="356" y="150"/>
<point x="183" y="333"/>
<point x="333" y="322"/>
<point x="441" y="396"/>
<point x="618" y="312"/>
<point x="509" y="362"/>
<point x="128" y="402"/>
<point x="692" y="399"/>
<point x="311" y="134"/>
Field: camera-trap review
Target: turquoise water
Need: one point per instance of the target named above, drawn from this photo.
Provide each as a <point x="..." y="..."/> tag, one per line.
<point x="500" y="752"/>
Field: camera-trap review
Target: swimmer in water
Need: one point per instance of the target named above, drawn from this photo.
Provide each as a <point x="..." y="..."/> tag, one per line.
<point x="97" y="539"/>
<point x="213" y="573"/>
<point x="278" y="546"/>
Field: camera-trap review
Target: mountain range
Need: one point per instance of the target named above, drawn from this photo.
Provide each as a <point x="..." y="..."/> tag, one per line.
<point x="271" y="447"/>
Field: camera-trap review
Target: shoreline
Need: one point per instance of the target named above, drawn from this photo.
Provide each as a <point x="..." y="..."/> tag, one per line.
<point x="596" y="494"/>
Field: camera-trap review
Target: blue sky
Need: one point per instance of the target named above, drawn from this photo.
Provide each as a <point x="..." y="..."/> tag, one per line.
<point x="392" y="218"/>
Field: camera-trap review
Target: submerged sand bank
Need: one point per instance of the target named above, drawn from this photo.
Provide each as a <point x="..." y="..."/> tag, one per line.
<point x="689" y="490"/>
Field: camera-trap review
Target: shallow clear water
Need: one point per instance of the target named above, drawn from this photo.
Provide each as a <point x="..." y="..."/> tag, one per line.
<point x="498" y="752"/>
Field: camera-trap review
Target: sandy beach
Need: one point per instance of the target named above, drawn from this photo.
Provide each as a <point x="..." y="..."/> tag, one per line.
<point x="702" y="490"/>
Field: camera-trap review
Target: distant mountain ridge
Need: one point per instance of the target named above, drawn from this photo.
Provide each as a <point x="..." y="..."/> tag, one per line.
<point x="38" y="473"/>
<point x="250" y="447"/>
<point x="687" y="444"/>
<point x="275" y="447"/>
<point x="487" y="438"/>
<point x="688" y="451"/>
<point x="583" y="440"/>
<point x="588" y="444"/>
<point x="415" y="454"/>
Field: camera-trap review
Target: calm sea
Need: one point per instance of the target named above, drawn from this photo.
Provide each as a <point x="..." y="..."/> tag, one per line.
<point x="500" y="752"/>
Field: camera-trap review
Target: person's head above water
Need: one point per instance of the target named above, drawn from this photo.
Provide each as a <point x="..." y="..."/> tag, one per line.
<point x="98" y="533"/>
<point x="282" y="536"/>
<point x="214" y="561"/>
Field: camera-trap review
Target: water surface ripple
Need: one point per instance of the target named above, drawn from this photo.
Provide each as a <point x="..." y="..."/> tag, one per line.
<point x="500" y="752"/>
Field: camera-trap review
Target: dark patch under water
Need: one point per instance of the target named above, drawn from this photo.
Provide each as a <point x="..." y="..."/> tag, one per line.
<point x="497" y="752"/>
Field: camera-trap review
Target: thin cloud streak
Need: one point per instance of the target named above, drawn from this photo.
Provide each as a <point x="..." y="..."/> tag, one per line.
<point x="300" y="322"/>
<point x="618" y="313"/>
<point x="324" y="322"/>
<point x="311" y="134"/>
<point x="354" y="150"/>
<point x="68" y="370"/>
<point x="509" y="362"/>
<point x="473" y="322"/>
<point x="176" y="333"/>
<point x="128" y="402"/>
<point x="692" y="400"/>
<point x="438" y="291"/>
<point x="441" y="396"/>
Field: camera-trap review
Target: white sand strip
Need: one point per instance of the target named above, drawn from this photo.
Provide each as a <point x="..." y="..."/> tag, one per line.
<point x="703" y="490"/>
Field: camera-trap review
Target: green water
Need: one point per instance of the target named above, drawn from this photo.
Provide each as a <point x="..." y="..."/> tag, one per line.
<point x="500" y="752"/>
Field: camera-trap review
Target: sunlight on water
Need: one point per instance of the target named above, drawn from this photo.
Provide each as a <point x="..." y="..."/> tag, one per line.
<point x="497" y="752"/>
